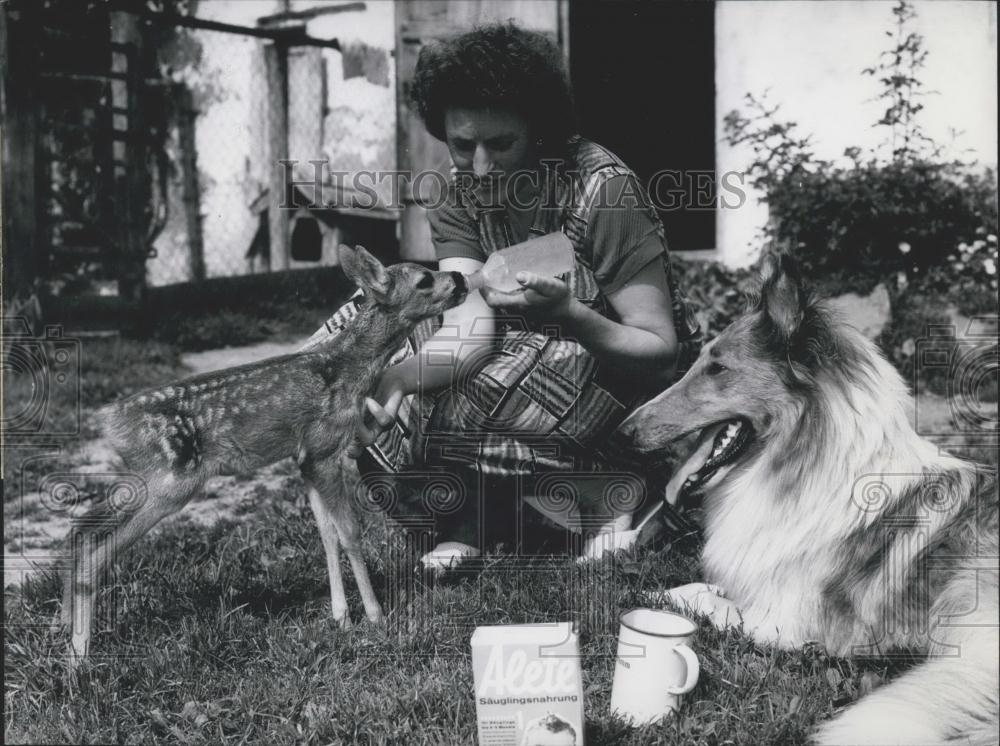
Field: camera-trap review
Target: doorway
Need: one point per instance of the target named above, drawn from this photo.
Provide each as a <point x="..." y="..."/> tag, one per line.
<point x="643" y="75"/>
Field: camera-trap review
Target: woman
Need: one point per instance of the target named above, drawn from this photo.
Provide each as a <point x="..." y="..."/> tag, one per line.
<point x="541" y="378"/>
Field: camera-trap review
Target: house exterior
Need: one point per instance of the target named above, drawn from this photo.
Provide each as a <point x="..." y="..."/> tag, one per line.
<point x="653" y="82"/>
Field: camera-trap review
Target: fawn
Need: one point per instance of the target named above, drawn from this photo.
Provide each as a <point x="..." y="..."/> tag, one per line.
<point x="307" y="404"/>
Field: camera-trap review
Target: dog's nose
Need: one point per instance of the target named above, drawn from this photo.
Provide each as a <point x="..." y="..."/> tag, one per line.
<point x="461" y="284"/>
<point x="625" y="431"/>
<point x="621" y="441"/>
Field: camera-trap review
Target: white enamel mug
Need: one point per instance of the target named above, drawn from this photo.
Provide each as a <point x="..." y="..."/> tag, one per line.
<point x="654" y="666"/>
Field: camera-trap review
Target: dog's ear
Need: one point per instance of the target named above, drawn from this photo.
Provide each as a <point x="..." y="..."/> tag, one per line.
<point x="366" y="271"/>
<point x="782" y="298"/>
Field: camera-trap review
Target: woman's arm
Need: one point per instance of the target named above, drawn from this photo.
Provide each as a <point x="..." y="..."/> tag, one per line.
<point x="626" y="258"/>
<point x="643" y="344"/>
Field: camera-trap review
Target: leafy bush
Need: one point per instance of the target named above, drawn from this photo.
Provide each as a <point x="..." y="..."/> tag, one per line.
<point x="871" y="217"/>
<point x="716" y="292"/>
<point x="968" y="278"/>
<point x="873" y="220"/>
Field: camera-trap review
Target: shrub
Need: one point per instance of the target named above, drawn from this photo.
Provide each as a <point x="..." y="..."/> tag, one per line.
<point x="867" y="219"/>
<point x="874" y="220"/>
<point x="968" y="278"/>
<point x="716" y="292"/>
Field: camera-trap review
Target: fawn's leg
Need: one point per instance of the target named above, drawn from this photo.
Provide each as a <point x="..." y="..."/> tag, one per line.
<point x="331" y="543"/>
<point x="612" y="535"/>
<point x="327" y="476"/>
<point x="350" y="537"/>
<point x="92" y="556"/>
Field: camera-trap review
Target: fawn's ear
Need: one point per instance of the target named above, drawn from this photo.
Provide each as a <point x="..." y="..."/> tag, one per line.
<point x="366" y="271"/>
<point x="781" y="295"/>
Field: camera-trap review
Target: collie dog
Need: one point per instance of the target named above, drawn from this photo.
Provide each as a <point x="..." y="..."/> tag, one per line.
<point x="829" y="519"/>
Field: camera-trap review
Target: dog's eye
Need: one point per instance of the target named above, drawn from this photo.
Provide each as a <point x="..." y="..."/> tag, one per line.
<point x="426" y="281"/>
<point x="715" y="369"/>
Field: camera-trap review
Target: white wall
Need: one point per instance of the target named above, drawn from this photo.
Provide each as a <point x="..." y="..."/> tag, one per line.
<point x="809" y="57"/>
<point x="359" y="132"/>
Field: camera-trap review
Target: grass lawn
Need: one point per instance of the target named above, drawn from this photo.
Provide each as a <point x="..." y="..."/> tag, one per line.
<point x="223" y="635"/>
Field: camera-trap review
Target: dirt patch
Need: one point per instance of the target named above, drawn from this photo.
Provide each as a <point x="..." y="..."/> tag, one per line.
<point x="210" y="360"/>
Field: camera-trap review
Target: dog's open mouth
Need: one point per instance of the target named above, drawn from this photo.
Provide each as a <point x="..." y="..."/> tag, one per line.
<point x="728" y="440"/>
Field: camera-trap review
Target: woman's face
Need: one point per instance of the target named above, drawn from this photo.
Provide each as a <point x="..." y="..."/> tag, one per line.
<point x="489" y="140"/>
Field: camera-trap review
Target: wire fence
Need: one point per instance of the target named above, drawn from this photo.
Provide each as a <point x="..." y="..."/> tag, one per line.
<point x="220" y="147"/>
<point x="211" y="188"/>
<point x="244" y="107"/>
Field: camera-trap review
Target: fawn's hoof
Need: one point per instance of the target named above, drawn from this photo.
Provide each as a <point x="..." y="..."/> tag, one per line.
<point x="447" y="557"/>
<point x="79" y="649"/>
<point x="599" y="546"/>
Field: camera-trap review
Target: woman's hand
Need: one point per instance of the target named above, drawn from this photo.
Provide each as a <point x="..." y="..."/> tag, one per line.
<point x="380" y="413"/>
<point x="546" y="295"/>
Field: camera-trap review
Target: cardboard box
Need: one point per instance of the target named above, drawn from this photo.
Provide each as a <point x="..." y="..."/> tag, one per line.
<point x="528" y="685"/>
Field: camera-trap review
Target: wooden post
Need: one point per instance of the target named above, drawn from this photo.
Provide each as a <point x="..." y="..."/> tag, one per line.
<point x="186" y="116"/>
<point x="276" y="64"/>
<point x="131" y="179"/>
<point x="19" y="127"/>
<point x="562" y="10"/>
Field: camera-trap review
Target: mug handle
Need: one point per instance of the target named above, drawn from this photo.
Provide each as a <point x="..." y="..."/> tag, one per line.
<point x="693" y="669"/>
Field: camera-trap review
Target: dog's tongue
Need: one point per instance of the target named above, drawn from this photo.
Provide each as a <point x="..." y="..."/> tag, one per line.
<point x="688" y="471"/>
<point x="715" y="448"/>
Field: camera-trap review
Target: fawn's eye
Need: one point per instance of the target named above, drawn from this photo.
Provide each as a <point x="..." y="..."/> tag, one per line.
<point x="715" y="368"/>
<point x="426" y="281"/>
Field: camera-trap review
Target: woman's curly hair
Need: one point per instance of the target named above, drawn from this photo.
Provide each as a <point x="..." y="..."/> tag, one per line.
<point x="499" y="66"/>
